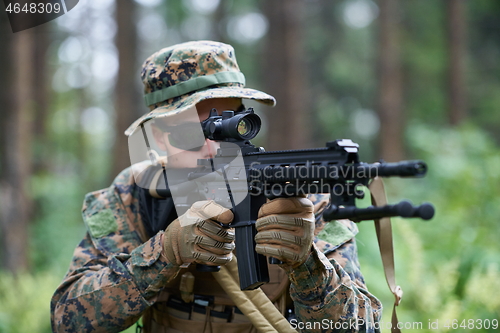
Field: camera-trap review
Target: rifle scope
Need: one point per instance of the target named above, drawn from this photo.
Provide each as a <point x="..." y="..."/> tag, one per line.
<point x="230" y="127"/>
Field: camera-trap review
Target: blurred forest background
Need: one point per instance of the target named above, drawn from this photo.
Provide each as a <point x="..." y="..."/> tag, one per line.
<point x="404" y="79"/>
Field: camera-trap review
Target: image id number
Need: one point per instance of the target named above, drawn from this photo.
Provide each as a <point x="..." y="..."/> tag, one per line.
<point x="472" y="324"/>
<point x="34" y="8"/>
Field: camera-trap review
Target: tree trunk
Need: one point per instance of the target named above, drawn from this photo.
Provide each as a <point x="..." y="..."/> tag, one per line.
<point x="126" y="96"/>
<point x="285" y="75"/>
<point x="390" y="99"/>
<point x="219" y="22"/>
<point x="15" y="139"/>
<point x="41" y="98"/>
<point x="456" y="27"/>
<point x="318" y="64"/>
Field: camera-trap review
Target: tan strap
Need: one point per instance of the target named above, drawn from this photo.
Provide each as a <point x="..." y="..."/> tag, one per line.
<point x="253" y="303"/>
<point x="384" y="237"/>
<point x="231" y="287"/>
<point x="154" y="181"/>
<point x="263" y="303"/>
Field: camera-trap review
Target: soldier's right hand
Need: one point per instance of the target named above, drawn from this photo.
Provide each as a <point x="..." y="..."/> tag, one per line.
<point x="197" y="237"/>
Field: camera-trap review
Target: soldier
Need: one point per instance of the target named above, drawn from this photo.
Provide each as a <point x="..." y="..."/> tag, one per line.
<point x="134" y="255"/>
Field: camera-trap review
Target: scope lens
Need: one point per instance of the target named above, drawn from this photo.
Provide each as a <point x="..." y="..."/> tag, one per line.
<point x="241" y="126"/>
<point x="244" y="127"/>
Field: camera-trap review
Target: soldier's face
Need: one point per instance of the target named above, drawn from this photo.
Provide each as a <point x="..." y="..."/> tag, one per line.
<point x="179" y="158"/>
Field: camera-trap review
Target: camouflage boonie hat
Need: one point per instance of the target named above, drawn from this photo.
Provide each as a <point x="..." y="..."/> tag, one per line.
<point x="178" y="77"/>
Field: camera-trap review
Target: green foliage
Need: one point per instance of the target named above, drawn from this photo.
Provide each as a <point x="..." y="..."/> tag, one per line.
<point x="25" y="298"/>
<point x="449" y="268"/>
<point x="25" y="302"/>
<point x="59" y="226"/>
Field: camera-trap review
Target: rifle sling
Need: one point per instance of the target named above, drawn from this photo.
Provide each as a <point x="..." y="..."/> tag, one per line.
<point x="253" y="303"/>
<point x="384" y="237"/>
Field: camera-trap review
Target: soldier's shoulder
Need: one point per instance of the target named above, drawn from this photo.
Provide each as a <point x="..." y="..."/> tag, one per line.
<point x="125" y="181"/>
<point x="111" y="215"/>
<point x="123" y="184"/>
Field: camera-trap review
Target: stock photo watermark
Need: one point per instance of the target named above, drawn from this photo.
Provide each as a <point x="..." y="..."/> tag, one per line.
<point x="431" y="324"/>
<point x="289" y="181"/>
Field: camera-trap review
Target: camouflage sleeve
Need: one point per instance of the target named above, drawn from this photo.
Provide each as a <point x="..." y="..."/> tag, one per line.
<point x="329" y="291"/>
<point x="113" y="276"/>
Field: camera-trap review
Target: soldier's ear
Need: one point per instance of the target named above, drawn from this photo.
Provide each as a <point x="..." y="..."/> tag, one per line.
<point x="159" y="137"/>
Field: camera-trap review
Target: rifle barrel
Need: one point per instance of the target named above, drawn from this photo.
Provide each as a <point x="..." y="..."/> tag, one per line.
<point x="414" y="168"/>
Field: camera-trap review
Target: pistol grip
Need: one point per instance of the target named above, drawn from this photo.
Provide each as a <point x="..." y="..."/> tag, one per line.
<point x="207" y="268"/>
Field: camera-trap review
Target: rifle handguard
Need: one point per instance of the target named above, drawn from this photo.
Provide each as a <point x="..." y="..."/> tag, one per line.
<point x="403" y="209"/>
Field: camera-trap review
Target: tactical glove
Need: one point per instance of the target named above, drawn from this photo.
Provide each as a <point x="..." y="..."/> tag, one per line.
<point x="196" y="237"/>
<point x="285" y="229"/>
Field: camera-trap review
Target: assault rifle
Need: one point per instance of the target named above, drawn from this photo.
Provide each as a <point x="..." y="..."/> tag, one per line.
<point x="334" y="169"/>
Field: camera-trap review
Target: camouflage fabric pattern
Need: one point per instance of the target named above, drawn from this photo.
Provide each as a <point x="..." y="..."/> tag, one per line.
<point x="176" y="66"/>
<point x="114" y="278"/>
<point x="182" y="62"/>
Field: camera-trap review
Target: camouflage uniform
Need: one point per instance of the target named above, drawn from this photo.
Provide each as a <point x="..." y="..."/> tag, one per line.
<point x="118" y="272"/>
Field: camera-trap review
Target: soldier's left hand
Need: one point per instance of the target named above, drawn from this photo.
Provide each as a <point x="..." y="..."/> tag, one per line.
<point x="285" y="229"/>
